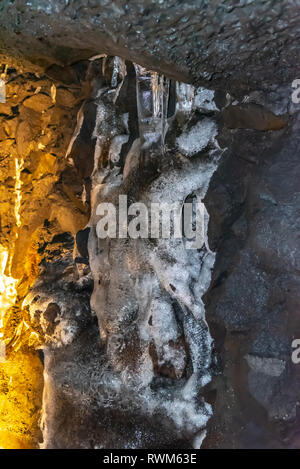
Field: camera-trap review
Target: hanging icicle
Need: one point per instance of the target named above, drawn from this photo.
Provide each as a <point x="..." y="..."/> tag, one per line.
<point x="185" y="96"/>
<point x="152" y="104"/>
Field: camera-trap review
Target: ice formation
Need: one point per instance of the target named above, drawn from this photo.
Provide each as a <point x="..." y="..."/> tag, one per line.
<point x="152" y="104"/>
<point x="148" y="292"/>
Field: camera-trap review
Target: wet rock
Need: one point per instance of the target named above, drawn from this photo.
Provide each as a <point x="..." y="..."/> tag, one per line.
<point x="224" y="45"/>
<point x="268" y="366"/>
<point x="26" y="135"/>
<point x="65" y="75"/>
<point x="255" y="291"/>
<point x="252" y="116"/>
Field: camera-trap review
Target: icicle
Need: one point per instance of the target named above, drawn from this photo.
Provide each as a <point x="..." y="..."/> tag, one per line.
<point x="152" y="104"/>
<point x="185" y="95"/>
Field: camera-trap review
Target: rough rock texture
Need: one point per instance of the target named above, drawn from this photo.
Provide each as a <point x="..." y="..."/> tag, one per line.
<point x="247" y="51"/>
<point x="254" y="392"/>
<point x="236" y="45"/>
<point x="37" y="202"/>
<point x="144" y="377"/>
<point x="253" y="303"/>
<point x="35" y="133"/>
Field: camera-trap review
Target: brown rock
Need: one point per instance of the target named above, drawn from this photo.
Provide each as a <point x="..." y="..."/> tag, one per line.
<point x="51" y="313"/>
<point x="38" y="102"/>
<point x="5" y="147"/>
<point x="25" y="137"/>
<point x="161" y="366"/>
<point x="62" y="74"/>
<point x="251" y="116"/>
<point x="65" y="98"/>
<point x="5" y="108"/>
<point x="10" y="127"/>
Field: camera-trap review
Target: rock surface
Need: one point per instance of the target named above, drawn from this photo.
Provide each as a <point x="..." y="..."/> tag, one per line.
<point x="34" y="194"/>
<point x="253" y="303"/>
<point x="247" y="52"/>
<point x="234" y="45"/>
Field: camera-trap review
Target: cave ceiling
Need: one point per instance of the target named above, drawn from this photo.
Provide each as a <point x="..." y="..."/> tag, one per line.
<point x="236" y="45"/>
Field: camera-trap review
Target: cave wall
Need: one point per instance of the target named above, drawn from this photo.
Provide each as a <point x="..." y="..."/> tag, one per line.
<point x="247" y="53"/>
<point x="253" y="302"/>
<point x="250" y="306"/>
<point x="37" y="203"/>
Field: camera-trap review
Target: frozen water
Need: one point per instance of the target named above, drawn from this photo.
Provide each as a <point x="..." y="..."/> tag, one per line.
<point x="164" y="283"/>
<point x="198" y="137"/>
<point x="152" y="104"/>
<point x="204" y="100"/>
<point x="185" y="95"/>
<point x="148" y="295"/>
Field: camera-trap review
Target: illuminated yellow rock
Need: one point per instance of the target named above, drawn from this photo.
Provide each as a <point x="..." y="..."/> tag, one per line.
<point x="34" y="135"/>
<point x="21" y="387"/>
<point x="21" y="371"/>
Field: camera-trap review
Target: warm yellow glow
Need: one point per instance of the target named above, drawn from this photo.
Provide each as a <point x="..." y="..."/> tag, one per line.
<point x="21" y="371"/>
<point x="18" y="185"/>
<point x="16" y="372"/>
<point x="20" y="400"/>
<point x="8" y="292"/>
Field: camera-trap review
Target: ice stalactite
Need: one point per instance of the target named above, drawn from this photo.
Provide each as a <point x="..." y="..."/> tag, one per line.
<point x="185" y="273"/>
<point x="185" y="97"/>
<point x="152" y="104"/>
